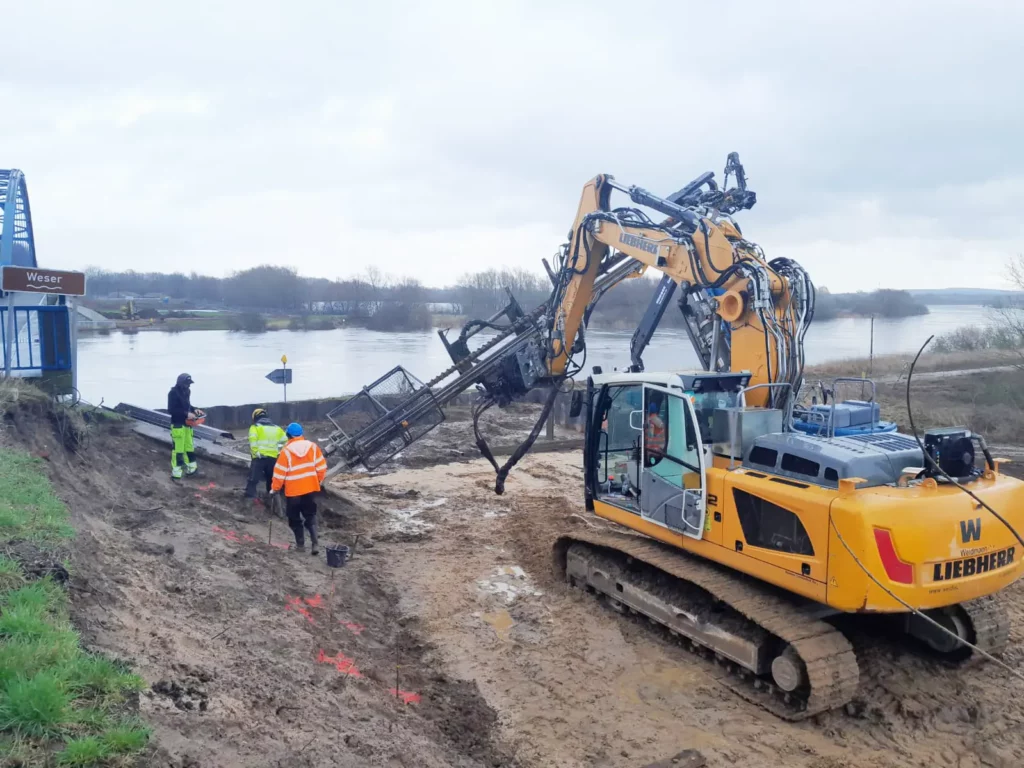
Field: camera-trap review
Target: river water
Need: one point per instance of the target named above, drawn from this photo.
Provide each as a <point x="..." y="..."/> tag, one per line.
<point x="229" y="368"/>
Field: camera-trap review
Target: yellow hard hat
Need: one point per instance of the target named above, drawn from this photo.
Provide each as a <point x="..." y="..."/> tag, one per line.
<point x="258" y="413"/>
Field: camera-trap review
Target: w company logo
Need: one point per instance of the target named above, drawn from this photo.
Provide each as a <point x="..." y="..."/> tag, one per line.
<point x="970" y="530"/>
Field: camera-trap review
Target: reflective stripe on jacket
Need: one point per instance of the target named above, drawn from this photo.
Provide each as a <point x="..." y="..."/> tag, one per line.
<point x="300" y="468"/>
<point x="654" y="435"/>
<point x="266" y="439"/>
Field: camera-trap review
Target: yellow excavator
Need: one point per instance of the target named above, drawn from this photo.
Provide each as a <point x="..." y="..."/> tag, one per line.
<point x="725" y="510"/>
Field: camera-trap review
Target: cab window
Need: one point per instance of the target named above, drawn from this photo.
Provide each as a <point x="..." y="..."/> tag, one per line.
<point x="656" y="423"/>
<point x="670" y="439"/>
<point x="618" y="446"/>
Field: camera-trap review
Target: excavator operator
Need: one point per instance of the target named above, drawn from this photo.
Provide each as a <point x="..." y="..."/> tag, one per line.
<point x="655" y="435"/>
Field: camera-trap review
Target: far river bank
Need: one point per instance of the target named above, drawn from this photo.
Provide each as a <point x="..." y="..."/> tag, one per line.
<point x="229" y="367"/>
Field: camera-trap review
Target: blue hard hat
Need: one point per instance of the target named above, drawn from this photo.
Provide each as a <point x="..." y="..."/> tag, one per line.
<point x="294" y="430"/>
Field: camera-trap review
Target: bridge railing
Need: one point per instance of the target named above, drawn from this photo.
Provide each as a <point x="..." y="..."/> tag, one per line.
<point x="41" y="339"/>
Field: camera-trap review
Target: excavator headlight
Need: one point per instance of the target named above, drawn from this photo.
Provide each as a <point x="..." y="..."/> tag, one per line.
<point x="897" y="570"/>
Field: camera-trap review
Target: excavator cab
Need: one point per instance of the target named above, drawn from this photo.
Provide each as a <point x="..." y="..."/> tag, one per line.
<point x="648" y="446"/>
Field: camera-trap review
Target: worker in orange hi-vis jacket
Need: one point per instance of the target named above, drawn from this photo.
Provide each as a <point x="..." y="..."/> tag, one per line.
<point x="300" y="469"/>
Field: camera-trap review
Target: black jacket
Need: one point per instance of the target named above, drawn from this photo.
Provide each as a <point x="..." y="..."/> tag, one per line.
<point x="178" y="405"/>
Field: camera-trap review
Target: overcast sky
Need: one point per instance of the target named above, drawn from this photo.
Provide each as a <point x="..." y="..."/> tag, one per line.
<point x="884" y="140"/>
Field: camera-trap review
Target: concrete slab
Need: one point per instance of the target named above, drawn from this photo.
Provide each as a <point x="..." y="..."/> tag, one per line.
<point x="224" y="453"/>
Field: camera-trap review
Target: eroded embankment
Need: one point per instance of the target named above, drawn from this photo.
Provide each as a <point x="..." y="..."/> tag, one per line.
<point x="252" y="654"/>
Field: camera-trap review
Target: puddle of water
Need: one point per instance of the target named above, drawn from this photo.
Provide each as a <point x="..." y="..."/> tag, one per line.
<point x="501" y="621"/>
<point x="508" y="582"/>
<point x="407" y="519"/>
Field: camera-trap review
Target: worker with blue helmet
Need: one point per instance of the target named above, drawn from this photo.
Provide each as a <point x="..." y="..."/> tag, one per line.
<point x="300" y="471"/>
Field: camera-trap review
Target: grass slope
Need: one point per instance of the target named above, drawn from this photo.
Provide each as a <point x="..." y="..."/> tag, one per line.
<point x="59" y="705"/>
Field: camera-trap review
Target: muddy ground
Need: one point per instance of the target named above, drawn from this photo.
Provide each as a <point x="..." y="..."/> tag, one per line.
<point x="575" y="684"/>
<point x="261" y="656"/>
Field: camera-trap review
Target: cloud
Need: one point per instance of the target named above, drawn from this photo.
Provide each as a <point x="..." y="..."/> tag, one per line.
<point x="434" y="139"/>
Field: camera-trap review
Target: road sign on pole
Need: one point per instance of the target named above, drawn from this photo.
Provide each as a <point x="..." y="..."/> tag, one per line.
<point x="282" y="376"/>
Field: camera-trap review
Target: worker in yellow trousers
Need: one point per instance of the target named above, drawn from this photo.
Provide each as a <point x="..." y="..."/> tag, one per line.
<point x="183" y="416"/>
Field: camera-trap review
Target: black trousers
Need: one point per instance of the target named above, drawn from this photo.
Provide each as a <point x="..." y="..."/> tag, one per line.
<point x="302" y="512"/>
<point x="261" y="468"/>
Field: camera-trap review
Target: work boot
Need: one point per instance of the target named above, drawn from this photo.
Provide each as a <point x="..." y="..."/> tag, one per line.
<point x="300" y="547"/>
<point x="176" y="473"/>
<point x="191" y="468"/>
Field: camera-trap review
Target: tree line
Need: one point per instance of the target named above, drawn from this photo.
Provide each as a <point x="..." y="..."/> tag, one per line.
<point x="390" y="303"/>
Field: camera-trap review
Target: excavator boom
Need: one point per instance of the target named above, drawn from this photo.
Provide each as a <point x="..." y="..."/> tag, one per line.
<point x="739" y="312"/>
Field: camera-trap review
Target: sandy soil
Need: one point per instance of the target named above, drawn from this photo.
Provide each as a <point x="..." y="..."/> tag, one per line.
<point x="261" y="656"/>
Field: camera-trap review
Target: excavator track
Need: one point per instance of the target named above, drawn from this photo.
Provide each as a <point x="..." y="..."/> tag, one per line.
<point x="991" y="623"/>
<point x="817" y="659"/>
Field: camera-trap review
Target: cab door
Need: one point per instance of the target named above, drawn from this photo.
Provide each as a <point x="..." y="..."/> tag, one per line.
<point x="672" y="474"/>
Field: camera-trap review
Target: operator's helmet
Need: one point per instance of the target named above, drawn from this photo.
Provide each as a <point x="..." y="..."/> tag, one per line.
<point x="294" y="430"/>
<point x="259" y="413"/>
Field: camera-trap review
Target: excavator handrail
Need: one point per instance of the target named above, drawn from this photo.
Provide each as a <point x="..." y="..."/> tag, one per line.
<point x="850" y="379"/>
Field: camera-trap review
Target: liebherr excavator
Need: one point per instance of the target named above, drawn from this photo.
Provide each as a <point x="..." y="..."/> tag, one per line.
<point x="712" y="515"/>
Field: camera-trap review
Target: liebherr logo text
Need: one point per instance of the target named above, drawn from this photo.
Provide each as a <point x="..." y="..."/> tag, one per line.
<point x="973" y="566"/>
<point x="639" y="242"/>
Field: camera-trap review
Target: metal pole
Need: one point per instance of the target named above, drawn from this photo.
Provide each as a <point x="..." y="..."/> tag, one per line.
<point x="284" y="383"/>
<point x="871" y="353"/>
<point x="73" y="337"/>
<point x="550" y="434"/>
<point x="9" y="341"/>
<point x="715" y="336"/>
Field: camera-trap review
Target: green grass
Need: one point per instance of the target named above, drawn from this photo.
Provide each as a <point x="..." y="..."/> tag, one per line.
<point x="84" y="752"/>
<point x="56" y="700"/>
<point x="28" y="507"/>
<point x="10" y="574"/>
<point x="35" y="706"/>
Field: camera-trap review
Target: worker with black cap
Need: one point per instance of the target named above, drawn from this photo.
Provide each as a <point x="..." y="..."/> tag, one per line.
<point x="183" y="418"/>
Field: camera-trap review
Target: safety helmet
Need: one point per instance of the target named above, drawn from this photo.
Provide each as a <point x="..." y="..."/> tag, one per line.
<point x="184" y="379"/>
<point x="259" y="413"/>
<point x="294" y="430"/>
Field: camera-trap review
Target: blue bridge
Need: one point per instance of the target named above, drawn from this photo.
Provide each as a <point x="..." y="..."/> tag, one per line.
<point x="42" y="338"/>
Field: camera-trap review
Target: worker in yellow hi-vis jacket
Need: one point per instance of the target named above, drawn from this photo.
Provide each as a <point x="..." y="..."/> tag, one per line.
<point x="265" y="442"/>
